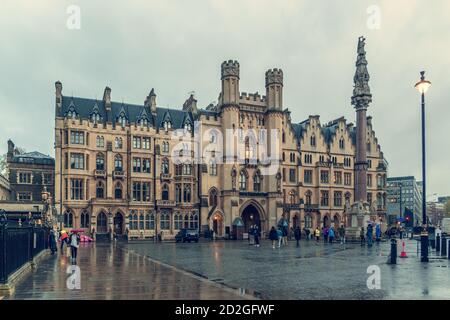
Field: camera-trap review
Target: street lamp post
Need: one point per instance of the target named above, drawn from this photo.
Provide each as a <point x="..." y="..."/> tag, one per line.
<point x="422" y="86"/>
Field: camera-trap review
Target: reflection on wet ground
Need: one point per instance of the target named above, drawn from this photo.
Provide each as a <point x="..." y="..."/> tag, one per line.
<point x="313" y="271"/>
<point x="113" y="272"/>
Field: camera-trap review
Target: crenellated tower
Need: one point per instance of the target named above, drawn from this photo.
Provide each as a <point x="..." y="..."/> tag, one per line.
<point x="274" y="89"/>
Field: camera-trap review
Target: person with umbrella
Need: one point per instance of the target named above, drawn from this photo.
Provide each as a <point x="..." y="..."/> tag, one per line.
<point x="74" y="244"/>
<point x="52" y="241"/>
<point x="64" y="237"/>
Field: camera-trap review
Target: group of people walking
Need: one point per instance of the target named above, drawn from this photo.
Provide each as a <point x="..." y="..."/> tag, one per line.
<point x="72" y="242"/>
<point x="330" y="235"/>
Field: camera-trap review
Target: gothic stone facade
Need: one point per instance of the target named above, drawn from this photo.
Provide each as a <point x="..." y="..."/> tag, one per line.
<point x="116" y="171"/>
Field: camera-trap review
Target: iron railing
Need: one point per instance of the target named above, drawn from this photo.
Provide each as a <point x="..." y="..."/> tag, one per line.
<point x="19" y="244"/>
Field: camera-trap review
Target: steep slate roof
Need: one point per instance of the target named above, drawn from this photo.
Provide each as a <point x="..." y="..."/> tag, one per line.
<point x="85" y="107"/>
<point x="33" y="157"/>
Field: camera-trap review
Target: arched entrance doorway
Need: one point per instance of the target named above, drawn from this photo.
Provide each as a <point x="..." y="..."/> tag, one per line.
<point x="118" y="224"/>
<point x="295" y="222"/>
<point x="251" y="216"/>
<point x="217" y="221"/>
<point x="326" y="221"/>
<point x="102" y="223"/>
<point x="336" y="221"/>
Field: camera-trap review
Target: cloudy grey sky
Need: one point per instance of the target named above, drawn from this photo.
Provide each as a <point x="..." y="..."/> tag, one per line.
<point x="177" y="47"/>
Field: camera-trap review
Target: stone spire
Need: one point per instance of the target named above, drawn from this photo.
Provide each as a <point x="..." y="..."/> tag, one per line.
<point x="360" y="100"/>
<point x="361" y="91"/>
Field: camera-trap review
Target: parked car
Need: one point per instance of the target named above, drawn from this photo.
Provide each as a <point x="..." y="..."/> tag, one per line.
<point x="187" y="235"/>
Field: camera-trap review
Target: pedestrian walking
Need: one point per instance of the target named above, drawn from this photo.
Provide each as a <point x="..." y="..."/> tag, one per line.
<point x="64" y="238"/>
<point x="250" y="236"/>
<point x="52" y="241"/>
<point x="291" y="233"/>
<point x="256" y="235"/>
<point x="369" y="235"/>
<point x="317" y="234"/>
<point x="307" y="233"/>
<point x="74" y="244"/>
<point x="341" y="232"/>
<point x="273" y="235"/>
<point x="285" y="235"/>
<point x="280" y="237"/>
<point x="362" y="236"/>
<point x="325" y="234"/>
<point x="331" y="234"/>
<point x="378" y="233"/>
<point x="298" y="235"/>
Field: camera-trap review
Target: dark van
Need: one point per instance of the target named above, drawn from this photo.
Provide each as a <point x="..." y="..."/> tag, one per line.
<point x="187" y="235"/>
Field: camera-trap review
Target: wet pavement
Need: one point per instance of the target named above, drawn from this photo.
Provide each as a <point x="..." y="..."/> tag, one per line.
<point x="313" y="271"/>
<point x="114" y="272"/>
<point x="235" y="270"/>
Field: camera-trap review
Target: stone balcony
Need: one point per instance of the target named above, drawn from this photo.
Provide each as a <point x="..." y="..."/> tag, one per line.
<point x="118" y="174"/>
<point x="166" y="203"/>
<point x="100" y="173"/>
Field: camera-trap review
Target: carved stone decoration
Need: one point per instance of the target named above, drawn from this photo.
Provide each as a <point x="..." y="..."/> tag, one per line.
<point x="234" y="203"/>
<point x="274" y="76"/>
<point x="278" y="181"/>
<point x="233" y="178"/>
<point x="230" y="68"/>
<point x="361" y="91"/>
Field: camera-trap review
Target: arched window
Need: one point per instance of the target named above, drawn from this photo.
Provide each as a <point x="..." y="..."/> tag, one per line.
<point x="193" y="222"/>
<point x="118" y="191"/>
<point x="308" y="197"/>
<point x="188" y="126"/>
<point x="165" y="221"/>
<point x="283" y="136"/>
<point x="292" y="198"/>
<point x="133" y="220"/>
<point x="178" y="222"/>
<point x="165" y="192"/>
<point x="95" y="117"/>
<point x="150" y="221"/>
<point x="187" y="193"/>
<point x="167" y="125"/>
<point x="178" y="193"/>
<point x="141" y="221"/>
<point x="348" y="197"/>
<point x="100" y="142"/>
<point x="102" y="223"/>
<point x="213" y="198"/>
<point x="313" y="141"/>
<point x="379" y="201"/>
<point x="368" y="146"/>
<point x="165" y="147"/>
<point x="186" y="221"/>
<point x="257" y="182"/>
<point x="165" y="166"/>
<point x="308" y="221"/>
<point x="122" y="120"/>
<point x="84" y="223"/>
<point x="213" y="167"/>
<point x="341" y="143"/>
<point x="118" y="143"/>
<point x="100" y="190"/>
<point x="187" y="169"/>
<point x="118" y="163"/>
<point x="243" y="180"/>
<point x="68" y="219"/>
<point x="143" y="122"/>
<point x="100" y="162"/>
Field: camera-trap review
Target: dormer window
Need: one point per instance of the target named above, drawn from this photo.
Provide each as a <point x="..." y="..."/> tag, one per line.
<point x="143" y="122"/>
<point x="188" y="126"/>
<point x="122" y="120"/>
<point x="167" y="125"/>
<point x="95" y="118"/>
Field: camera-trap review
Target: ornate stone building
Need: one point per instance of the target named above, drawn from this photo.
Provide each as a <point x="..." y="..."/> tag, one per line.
<point x="145" y="169"/>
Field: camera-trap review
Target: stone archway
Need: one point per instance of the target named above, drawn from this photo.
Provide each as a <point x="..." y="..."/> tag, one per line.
<point x="252" y="214"/>
<point x="326" y="221"/>
<point x="118" y="223"/>
<point x="336" y="221"/>
<point x="102" y="222"/>
<point x="217" y="224"/>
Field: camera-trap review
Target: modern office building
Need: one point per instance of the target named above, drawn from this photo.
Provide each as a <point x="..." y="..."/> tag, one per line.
<point x="404" y="193"/>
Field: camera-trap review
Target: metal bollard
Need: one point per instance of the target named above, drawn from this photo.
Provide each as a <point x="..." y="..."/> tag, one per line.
<point x="443" y="245"/>
<point x="393" y="251"/>
<point x="438" y="243"/>
<point x="448" y="251"/>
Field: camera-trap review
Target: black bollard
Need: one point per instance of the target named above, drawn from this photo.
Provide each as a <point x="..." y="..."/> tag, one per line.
<point x="393" y="251"/>
<point x="443" y="245"/>
<point x="448" y="251"/>
<point x="438" y="243"/>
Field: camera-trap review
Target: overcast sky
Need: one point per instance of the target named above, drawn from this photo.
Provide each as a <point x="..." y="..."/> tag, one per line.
<point x="178" y="46"/>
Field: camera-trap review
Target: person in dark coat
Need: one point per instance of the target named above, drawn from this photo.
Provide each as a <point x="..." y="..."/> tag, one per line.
<point x="273" y="235"/>
<point x="52" y="241"/>
<point x="297" y="235"/>
<point x="256" y="235"/>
